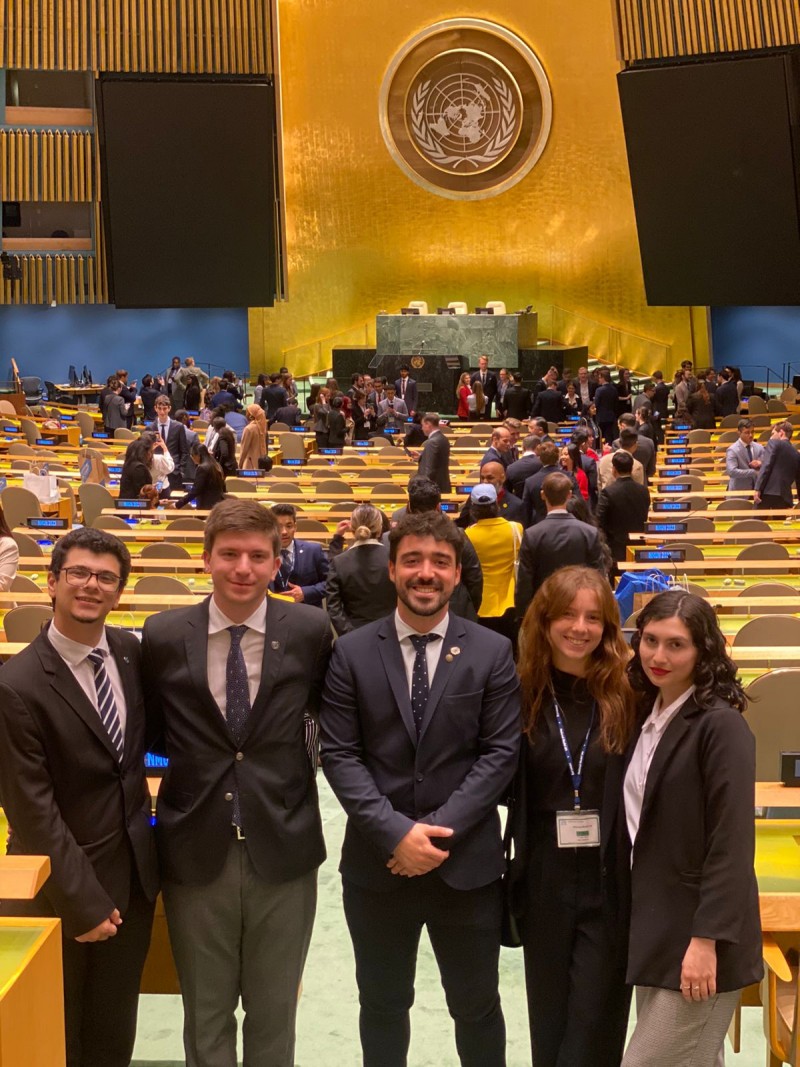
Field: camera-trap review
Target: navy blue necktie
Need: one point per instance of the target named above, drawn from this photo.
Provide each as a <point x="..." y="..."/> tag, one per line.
<point x="237" y="699"/>
<point x="749" y="453"/>
<point x="419" y="677"/>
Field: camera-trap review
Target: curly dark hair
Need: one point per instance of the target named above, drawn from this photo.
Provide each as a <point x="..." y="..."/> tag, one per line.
<point x="715" y="671"/>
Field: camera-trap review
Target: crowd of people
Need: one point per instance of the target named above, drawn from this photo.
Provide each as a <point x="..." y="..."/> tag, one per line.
<point x="477" y="662"/>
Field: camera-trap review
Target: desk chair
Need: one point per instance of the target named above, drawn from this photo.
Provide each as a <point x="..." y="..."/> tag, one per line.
<point x="498" y="306"/>
<point x="750" y="526"/>
<point x="19" y="505"/>
<point x="25" y="623"/>
<point x="86" y="422"/>
<point x="161" y="585"/>
<point x="112" y="523"/>
<point x="27" y="545"/>
<point x="777" y="631"/>
<point x="771" y="715"/>
<point x="763" y="589"/>
<point x="780" y="996"/>
<point x="94" y="499"/>
<point x="164" y="550"/>
<point x="421" y="304"/>
<point x="764" y="550"/>
<point x="690" y="551"/>
<point x="23" y="584"/>
<point x="189" y="522"/>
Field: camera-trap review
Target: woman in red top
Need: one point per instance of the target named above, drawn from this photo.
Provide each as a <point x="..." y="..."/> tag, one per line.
<point x="571" y="462"/>
<point x="463" y="393"/>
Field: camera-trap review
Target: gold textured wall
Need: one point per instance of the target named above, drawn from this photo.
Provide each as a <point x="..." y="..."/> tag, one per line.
<point x="362" y="237"/>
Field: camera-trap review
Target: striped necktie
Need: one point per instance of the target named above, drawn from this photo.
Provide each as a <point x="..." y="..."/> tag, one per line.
<point x="106" y="705"/>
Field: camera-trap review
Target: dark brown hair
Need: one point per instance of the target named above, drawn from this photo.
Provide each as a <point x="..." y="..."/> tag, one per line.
<point x="234" y="515"/>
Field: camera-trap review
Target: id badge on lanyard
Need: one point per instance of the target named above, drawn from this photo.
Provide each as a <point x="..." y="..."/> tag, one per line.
<point x="579" y="828"/>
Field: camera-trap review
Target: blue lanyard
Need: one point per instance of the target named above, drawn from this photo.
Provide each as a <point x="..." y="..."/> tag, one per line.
<point x="575" y="775"/>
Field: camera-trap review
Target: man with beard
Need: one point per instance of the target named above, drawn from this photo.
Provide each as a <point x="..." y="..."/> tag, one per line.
<point x="419" y="759"/>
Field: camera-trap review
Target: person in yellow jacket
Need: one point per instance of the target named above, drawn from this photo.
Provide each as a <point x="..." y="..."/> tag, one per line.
<point x="496" y="542"/>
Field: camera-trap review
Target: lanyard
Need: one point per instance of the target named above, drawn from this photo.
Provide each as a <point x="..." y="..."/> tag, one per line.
<point x="575" y="775"/>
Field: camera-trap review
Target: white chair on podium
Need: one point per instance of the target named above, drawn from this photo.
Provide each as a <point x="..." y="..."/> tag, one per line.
<point x="421" y="304"/>
<point x="497" y="306"/>
<point x="460" y="307"/>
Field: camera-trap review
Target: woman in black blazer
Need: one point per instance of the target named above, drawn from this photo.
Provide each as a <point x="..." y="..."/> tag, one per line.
<point x="566" y="900"/>
<point x="135" y="474"/>
<point x="358" y="588"/>
<point x="695" y="937"/>
<point x="208" y="487"/>
<point x="224" y="451"/>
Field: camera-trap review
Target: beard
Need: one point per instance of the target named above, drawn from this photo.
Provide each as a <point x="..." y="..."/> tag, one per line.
<point x="425" y="607"/>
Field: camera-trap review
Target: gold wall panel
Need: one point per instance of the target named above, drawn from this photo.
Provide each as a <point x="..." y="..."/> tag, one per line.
<point x="53" y="165"/>
<point x="165" y="36"/>
<point x="67" y="279"/>
<point x="657" y="29"/>
<point x="362" y="237"/>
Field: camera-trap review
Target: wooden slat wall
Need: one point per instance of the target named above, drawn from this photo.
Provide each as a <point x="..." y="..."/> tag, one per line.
<point x="161" y="36"/>
<point x="660" y="29"/>
<point x="67" y="279"/>
<point x="55" y="165"/>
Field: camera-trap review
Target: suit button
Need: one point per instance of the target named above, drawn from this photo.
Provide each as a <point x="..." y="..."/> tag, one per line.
<point x="240" y="756"/>
<point x="229" y="796"/>
<point x="420" y="777"/>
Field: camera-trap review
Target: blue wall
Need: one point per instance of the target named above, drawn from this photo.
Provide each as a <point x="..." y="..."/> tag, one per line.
<point x="45" y="341"/>
<point x="756" y="338"/>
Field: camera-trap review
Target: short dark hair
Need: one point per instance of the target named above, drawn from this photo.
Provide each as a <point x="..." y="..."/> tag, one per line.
<point x="530" y="442"/>
<point x="628" y="437"/>
<point x="423" y="495"/>
<point x="181" y="415"/>
<point x="517" y="377"/>
<point x="100" y="542"/>
<point x="234" y="515"/>
<point x="548" y="454"/>
<point x="556" y="488"/>
<point x="622" y="462"/>
<point x="432" y="417"/>
<point x="744" y="424"/>
<point x="161" y="400"/>
<point x="426" y="524"/>
<point x="579" y="437"/>
<point x="404" y="366"/>
<point x="658" y="375"/>
<point x="626" y="419"/>
<point x="288" y="511"/>
<point x="540" y="422"/>
<point x="265" y="463"/>
<point x="786" y="426"/>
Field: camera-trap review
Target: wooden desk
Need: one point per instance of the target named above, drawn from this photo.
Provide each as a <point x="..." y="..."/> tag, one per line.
<point x="31" y="994"/>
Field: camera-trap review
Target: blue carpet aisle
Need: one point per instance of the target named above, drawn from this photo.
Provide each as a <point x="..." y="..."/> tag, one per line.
<point x="328" y="1018"/>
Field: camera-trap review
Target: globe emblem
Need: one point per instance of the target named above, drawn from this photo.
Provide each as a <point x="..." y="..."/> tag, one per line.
<point x="466" y="120"/>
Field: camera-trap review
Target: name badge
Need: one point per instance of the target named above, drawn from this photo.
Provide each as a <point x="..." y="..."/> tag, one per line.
<point x="578" y="829"/>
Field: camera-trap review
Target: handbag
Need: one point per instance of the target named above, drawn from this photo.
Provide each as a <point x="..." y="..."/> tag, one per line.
<point x="510" y="936"/>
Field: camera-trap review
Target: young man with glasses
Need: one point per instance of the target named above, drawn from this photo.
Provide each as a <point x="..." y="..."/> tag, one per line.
<point x="72" y="745"/>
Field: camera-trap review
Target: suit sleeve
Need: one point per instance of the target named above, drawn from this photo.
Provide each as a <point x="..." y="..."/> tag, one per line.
<point x="732" y="468"/>
<point x="766" y="469"/>
<point x="343" y="761"/>
<point x="321" y="661"/>
<point x="497" y="751"/>
<point x="333" y="593"/>
<point x="595" y="556"/>
<point x="30" y="804"/>
<point x="426" y="461"/>
<point x="728" y="766"/>
<point x="154" y="718"/>
<point x="472" y="573"/>
<point x="314" y="592"/>
<point x="524" y="590"/>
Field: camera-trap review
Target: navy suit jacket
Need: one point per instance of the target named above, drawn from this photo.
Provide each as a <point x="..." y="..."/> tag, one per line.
<point x="310" y="572"/>
<point x="454" y="775"/>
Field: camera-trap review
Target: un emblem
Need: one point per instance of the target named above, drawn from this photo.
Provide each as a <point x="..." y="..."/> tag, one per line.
<point x="466" y="109"/>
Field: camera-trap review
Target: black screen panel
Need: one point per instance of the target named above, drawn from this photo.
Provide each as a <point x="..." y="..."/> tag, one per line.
<point x="188" y="191"/>
<point x="712" y="157"/>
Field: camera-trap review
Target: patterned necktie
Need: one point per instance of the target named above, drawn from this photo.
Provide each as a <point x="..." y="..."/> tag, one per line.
<point x="419" y="677"/>
<point x="237" y="700"/>
<point x="106" y="704"/>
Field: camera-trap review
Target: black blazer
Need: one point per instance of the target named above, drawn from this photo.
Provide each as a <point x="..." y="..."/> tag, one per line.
<point x="519" y="470"/>
<point x="337" y="428"/>
<point x="560" y="540"/>
<point x="177" y="445"/>
<point x="434" y="463"/>
<point x="780" y="470"/>
<point x="622" y="509"/>
<point x="66" y="793"/>
<point x="277" y="789"/>
<point x="606" y="400"/>
<point x="453" y="775"/>
<point x="550" y="405"/>
<point x="692" y="872"/>
<point x="205" y="489"/>
<point x="535" y="507"/>
<point x="490" y="385"/>
<point x="660" y="401"/>
<point x="517" y="402"/>
<point x="726" y="398"/>
<point x="358" y="587"/>
<point x="133" y="479"/>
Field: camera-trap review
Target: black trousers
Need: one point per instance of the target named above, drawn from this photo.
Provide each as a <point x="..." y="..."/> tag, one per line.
<point x="101" y="989"/>
<point x="609" y="430"/>
<point x="774" y="502"/>
<point x="578" y="1002"/>
<point x="464" y="929"/>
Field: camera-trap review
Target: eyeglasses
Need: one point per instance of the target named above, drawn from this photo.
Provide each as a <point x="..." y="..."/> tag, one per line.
<point x="82" y="575"/>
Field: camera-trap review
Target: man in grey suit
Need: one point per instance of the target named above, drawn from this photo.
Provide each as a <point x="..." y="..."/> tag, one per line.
<point x="434" y="460"/>
<point x="419" y="755"/>
<point x="744" y="458"/>
<point x="229" y="685"/>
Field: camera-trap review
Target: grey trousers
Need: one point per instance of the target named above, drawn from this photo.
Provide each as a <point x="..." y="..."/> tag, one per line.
<point x="673" y="1032"/>
<point x="240" y="937"/>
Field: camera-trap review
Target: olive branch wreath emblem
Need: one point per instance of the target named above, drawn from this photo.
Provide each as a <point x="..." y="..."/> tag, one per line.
<point x="435" y="152"/>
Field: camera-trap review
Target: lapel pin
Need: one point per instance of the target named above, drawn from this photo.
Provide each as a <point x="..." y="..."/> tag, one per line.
<point x="275" y="645"/>
<point x="455" y="651"/>
<point x="448" y="658"/>
<point x="125" y="659"/>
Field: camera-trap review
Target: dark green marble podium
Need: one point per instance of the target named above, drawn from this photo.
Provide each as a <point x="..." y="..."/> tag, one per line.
<point x="500" y="337"/>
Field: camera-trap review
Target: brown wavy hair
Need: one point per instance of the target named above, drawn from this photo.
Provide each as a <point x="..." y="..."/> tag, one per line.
<point x="606" y="679"/>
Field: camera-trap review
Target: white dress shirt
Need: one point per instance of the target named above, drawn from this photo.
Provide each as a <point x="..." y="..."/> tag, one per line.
<point x="219" y="645"/>
<point x="653" y="730"/>
<point x="75" y="654"/>
<point x="433" y="649"/>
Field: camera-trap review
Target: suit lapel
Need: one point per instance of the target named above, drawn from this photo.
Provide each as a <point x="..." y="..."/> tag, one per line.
<point x="392" y="658"/>
<point x="67" y="689"/>
<point x="669" y="743"/>
<point x="196" y="645"/>
<point x="456" y="631"/>
<point x="128" y="675"/>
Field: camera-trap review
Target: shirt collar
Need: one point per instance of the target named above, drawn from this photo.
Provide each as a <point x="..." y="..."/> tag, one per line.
<point x="404" y="630"/>
<point x="218" y="620"/>
<point x="74" y="652"/>
<point x="555" y="512"/>
<point x="660" y="718"/>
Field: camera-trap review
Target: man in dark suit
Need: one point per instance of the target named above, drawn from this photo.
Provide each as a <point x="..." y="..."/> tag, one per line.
<point x="273" y="396"/>
<point x="645" y="451"/>
<point x="173" y="433"/>
<point x="585" y="387"/>
<point x="550" y="404"/>
<point x="535" y="508"/>
<point x="232" y="685"/>
<point x="559" y="540"/>
<point x="623" y="507"/>
<point x="72" y="745"/>
<point x="406" y="390"/>
<point x="660" y="401"/>
<point x="780" y="470"/>
<point x="606" y="400"/>
<point x="509" y="506"/>
<point x="419" y="759"/>
<point x="517" y="400"/>
<point x="499" y="451"/>
<point x="726" y="397"/>
<point x="290" y="414"/>
<point x="304" y="566"/>
<point x="527" y="465"/>
<point x="488" y="380"/>
<point x="434" y="460"/>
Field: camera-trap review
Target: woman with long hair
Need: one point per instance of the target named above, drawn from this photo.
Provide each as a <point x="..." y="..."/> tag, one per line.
<point x="261" y="383"/>
<point x="136" y="473"/>
<point x="463" y="394"/>
<point x="578" y="713"/>
<point x="9" y="555"/>
<point x="358" y="588"/>
<point x="700" y="405"/>
<point x="695" y="935"/>
<point x="590" y="424"/>
<point x="255" y="439"/>
<point x="480" y="399"/>
<point x="208" y="487"/>
<point x="191" y="397"/>
<point x="571" y="463"/>
<point x="320" y="411"/>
